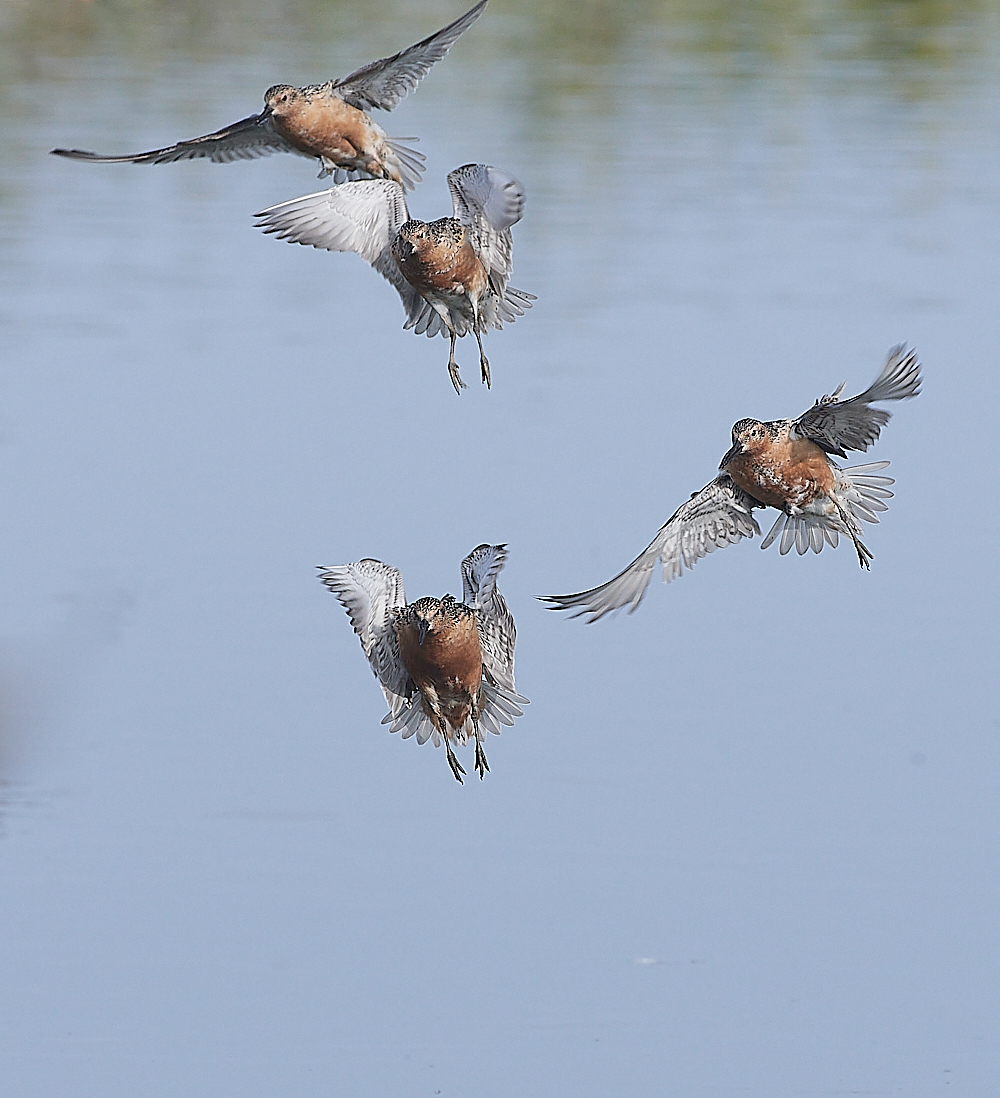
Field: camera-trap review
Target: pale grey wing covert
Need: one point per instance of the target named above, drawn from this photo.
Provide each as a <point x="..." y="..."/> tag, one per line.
<point x="369" y="591"/>
<point x="385" y="82"/>
<point x="838" y="426"/>
<point x="720" y="514"/>
<point x="361" y="217"/>
<point x="247" y="139"/>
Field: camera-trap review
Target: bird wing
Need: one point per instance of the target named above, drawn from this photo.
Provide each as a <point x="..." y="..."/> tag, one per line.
<point x="479" y="573"/>
<point x="369" y="591"/>
<point x="496" y="623"/>
<point x="837" y="426"/>
<point x="499" y="701"/>
<point x="247" y="139"/>
<point x="488" y="201"/>
<point x="361" y="217"/>
<point x="720" y="514"/>
<point x="385" y="82"/>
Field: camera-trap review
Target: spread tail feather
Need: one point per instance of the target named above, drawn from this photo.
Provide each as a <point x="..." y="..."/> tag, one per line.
<point x="498" y="706"/>
<point x="409" y="163"/>
<point x="860" y="493"/>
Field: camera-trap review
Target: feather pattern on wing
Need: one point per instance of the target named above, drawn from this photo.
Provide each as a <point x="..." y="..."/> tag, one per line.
<point x="362" y="217"/>
<point x="385" y="82"/>
<point x="479" y="573"/>
<point x="369" y="591"/>
<point x="720" y="514"/>
<point x="488" y="201"/>
<point x="497" y="634"/>
<point x="247" y="139"/>
<point x="837" y="426"/>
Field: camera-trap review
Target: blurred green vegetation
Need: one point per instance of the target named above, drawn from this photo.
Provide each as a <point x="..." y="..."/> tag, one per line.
<point x="741" y="36"/>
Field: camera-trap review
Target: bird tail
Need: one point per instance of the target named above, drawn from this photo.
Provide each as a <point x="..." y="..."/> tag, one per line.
<point x="859" y="495"/>
<point x="413" y="721"/>
<point x="498" y="309"/>
<point x="407" y="163"/>
<point x="497" y="706"/>
<point x="425" y="319"/>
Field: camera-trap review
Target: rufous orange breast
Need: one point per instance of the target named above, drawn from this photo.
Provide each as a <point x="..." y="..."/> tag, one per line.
<point x="447" y="668"/>
<point x="782" y="472"/>
<point x="441" y="259"/>
<point x="327" y="126"/>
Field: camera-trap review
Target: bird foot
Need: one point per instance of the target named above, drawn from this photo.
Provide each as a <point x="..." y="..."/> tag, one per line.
<point x="456" y="767"/>
<point x="455" y="378"/>
<point x="484" y="365"/>
<point x="481" y="764"/>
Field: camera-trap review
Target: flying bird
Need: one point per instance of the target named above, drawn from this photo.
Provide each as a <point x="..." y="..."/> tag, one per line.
<point x="446" y="667"/>
<point x="326" y="121"/>
<point x="782" y="463"/>
<point x="451" y="274"/>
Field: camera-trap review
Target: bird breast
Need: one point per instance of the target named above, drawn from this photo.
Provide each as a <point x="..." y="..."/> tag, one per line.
<point x="441" y="259"/>
<point x="783" y="474"/>
<point x="324" y="125"/>
<point x="450" y="658"/>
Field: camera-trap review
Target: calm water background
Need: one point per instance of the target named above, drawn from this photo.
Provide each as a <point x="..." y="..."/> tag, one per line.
<point x="743" y="842"/>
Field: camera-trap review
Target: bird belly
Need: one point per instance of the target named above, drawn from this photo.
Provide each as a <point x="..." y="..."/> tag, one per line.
<point x="788" y="475"/>
<point x="447" y="701"/>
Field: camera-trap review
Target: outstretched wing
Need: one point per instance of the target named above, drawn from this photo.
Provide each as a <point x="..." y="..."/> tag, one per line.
<point x="385" y="82"/>
<point x="837" y="426"/>
<point x="369" y="591"/>
<point x="247" y="139"/>
<point x="488" y="201"/>
<point x="361" y="217"/>
<point x="720" y="514"/>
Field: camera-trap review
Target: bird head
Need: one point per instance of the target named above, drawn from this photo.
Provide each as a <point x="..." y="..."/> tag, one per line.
<point x="277" y="96"/>
<point x="411" y="239"/>
<point x="425" y="617"/>
<point x="430" y="615"/>
<point x="748" y="435"/>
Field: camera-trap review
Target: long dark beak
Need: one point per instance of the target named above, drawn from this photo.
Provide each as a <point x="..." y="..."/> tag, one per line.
<point x="735" y="449"/>
<point x="422" y="629"/>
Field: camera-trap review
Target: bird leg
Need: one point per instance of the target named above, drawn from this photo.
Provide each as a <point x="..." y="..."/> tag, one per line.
<point x="864" y="553"/>
<point x="456" y="767"/>
<point x="453" y="371"/>
<point x="484" y="365"/>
